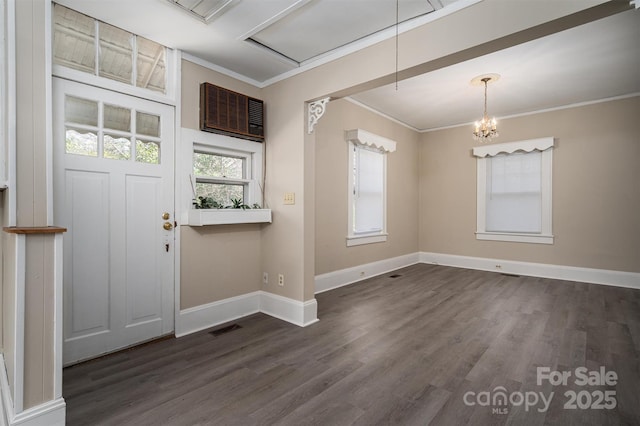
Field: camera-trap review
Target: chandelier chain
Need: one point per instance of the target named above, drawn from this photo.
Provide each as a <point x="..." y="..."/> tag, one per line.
<point x="485" y="80"/>
<point x="397" y="31"/>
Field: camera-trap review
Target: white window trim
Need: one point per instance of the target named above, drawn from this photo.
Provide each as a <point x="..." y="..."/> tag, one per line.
<point x="249" y="184"/>
<point x="545" y="145"/>
<point x="116" y="86"/>
<point x="193" y="140"/>
<point x="363" y="138"/>
<point x="358" y="240"/>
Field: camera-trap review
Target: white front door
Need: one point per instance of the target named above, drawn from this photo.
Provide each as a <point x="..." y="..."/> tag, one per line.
<point x="113" y="191"/>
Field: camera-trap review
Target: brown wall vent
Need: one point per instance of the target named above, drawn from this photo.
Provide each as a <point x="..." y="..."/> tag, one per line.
<point x="230" y="113"/>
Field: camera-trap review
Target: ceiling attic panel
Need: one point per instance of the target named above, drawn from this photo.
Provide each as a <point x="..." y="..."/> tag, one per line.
<point x="204" y="10"/>
<point x="322" y="26"/>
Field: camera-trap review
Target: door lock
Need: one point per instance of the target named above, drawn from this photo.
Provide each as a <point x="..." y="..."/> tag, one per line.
<point x="165" y="216"/>
<point x="167" y="226"/>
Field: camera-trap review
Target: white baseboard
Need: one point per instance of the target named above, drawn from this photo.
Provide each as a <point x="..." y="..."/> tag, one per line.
<point x="542" y="270"/>
<point x="206" y="316"/>
<point x="306" y="313"/>
<point x="50" y="413"/>
<point x="331" y="280"/>
<point x="335" y="279"/>
<point x="209" y="315"/>
<point x="293" y="311"/>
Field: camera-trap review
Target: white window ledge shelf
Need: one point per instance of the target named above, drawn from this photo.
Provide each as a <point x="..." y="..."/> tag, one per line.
<point x="203" y="217"/>
<point x="514" y="237"/>
<point x="358" y="240"/>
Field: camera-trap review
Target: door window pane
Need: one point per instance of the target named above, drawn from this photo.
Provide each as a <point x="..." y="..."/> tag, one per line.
<point x="82" y="142"/>
<point x="80" y="111"/>
<point x="147" y="152"/>
<point x="147" y="124"/>
<point x="73" y="40"/>
<point x="117" y="147"/>
<point x="117" y="118"/>
<point x="151" y="65"/>
<point x="116" y="52"/>
<point x="219" y="166"/>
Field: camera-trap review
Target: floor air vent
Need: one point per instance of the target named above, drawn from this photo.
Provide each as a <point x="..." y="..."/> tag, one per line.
<point x="225" y="330"/>
<point x="510" y="275"/>
<point x="395" y="276"/>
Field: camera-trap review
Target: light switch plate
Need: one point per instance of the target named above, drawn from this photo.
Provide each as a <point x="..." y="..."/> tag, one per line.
<point x="289" y="197"/>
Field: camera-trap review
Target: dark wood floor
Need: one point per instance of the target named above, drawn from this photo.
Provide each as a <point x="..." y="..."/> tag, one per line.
<point x="400" y="351"/>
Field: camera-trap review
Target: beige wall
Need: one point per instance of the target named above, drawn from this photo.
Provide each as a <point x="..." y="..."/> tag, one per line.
<point x="288" y="244"/>
<point x="283" y="240"/>
<point x="596" y="191"/>
<point x="331" y="252"/>
<point x="216" y="262"/>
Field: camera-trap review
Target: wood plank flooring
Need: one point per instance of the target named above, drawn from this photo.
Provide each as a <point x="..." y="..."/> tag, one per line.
<point x="387" y="351"/>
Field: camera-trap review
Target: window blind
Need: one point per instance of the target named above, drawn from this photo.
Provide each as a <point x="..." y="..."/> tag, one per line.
<point x="368" y="190"/>
<point x="514" y="196"/>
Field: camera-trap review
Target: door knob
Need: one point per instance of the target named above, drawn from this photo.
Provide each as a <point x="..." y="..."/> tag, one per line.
<point x="167" y="226"/>
<point x="165" y="216"/>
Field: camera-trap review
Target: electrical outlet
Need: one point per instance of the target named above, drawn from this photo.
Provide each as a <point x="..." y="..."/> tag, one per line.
<point x="498" y="266"/>
<point x="265" y="278"/>
<point x="281" y="280"/>
<point x="290" y="198"/>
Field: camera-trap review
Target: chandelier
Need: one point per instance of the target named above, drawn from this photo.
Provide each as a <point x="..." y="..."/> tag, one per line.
<point x="485" y="129"/>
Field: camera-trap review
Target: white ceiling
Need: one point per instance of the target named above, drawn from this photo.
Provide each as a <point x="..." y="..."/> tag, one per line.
<point x="591" y="62"/>
<point x="261" y="41"/>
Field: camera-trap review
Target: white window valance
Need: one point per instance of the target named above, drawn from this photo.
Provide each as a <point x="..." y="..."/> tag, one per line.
<point x="541" y="144"/>
<point x="362" y="137"/>
<point x="514" y="191"/>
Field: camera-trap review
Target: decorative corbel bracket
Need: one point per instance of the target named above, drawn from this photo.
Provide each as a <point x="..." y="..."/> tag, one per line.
<point x="315" y="112"/>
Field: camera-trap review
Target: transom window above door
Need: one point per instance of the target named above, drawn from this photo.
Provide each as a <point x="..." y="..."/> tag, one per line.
<point x="98" y="129"/>
<point x="81" y="43"/>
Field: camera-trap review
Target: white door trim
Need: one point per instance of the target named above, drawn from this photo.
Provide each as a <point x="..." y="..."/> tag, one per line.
<point x="177" y="206"/>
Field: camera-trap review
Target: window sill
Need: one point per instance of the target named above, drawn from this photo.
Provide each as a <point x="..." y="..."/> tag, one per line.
<point x="203" y="217"/>
<point x="354" y="240"/>
<point x="518" y="238"/>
